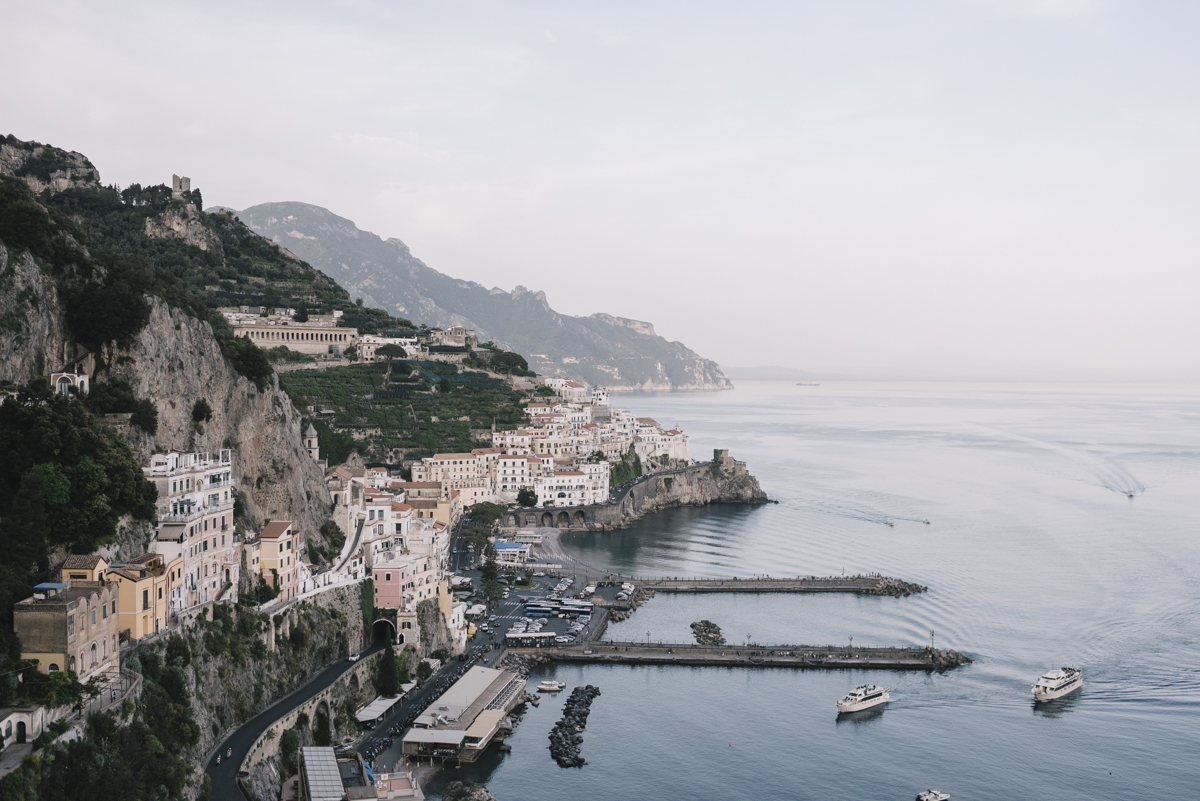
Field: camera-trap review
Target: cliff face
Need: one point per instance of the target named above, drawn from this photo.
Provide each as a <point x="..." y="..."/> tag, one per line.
<point x="599" y="349"/>
<point x="174" y="362"/>
<point x="696" y="486"/>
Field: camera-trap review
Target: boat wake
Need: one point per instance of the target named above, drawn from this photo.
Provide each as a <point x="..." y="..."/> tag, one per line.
<point x="1102" y="471"/>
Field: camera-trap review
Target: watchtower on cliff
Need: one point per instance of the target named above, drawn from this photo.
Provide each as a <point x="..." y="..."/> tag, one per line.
<point x="179" y="185"/>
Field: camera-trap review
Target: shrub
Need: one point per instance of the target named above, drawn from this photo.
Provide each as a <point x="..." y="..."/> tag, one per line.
<point x="201" y="411"/>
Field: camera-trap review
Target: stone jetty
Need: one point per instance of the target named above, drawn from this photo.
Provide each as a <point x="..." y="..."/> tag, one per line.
<point x="781" y="656"/>
<point x="567" y="734"/>
<point x="707" y="633"/>
<point x="872" y="584"/>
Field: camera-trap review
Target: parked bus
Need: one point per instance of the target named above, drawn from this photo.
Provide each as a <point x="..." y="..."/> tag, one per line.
<point x="530" y="640"/>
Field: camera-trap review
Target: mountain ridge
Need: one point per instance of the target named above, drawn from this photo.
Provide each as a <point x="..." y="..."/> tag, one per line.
<point x="601" y="349"/>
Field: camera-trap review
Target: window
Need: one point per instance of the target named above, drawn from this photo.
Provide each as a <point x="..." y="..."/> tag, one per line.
<point x="145" y="599"/>
<point x="70" y="624"/>
<point x="93" y="617"/>
<point x="160" y="593"/>
<point x="104" y="612"/>
<point x="387" y="576"/>
<point x="93" y="653"/>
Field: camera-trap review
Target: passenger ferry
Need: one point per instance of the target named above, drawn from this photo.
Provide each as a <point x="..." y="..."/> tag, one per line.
<point x="551" y="686"/>
<point x="1057" y="683"/>
<point x="864" y="697"/>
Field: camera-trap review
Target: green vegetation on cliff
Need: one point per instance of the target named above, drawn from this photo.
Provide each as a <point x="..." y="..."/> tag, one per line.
<point x="420" y="407"/>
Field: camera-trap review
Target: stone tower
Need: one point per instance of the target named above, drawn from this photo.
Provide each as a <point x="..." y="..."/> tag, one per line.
<point x="179" y="185"/>
<point x="310" y="443"/>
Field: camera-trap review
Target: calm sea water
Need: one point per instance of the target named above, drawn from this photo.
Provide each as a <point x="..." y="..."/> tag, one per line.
<point x="1035" y="557"/>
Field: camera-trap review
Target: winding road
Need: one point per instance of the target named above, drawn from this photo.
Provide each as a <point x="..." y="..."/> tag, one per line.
<point x="224" y="775"/>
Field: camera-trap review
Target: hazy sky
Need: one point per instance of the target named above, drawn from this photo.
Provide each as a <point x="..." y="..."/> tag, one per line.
<point x="968" y="188"/>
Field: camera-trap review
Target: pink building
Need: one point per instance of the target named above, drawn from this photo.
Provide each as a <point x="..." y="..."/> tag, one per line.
<point x="390" y="575"/>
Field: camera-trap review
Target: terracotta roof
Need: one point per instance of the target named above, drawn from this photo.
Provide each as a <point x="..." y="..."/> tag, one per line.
<point x="82" y="561"/>
<point x="275" y="529"/>
<point x="400" y="507"/>
<point x="417" y="484"/>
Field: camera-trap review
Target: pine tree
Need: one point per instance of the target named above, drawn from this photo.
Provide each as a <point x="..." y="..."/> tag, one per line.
<point x="387" y="681"/>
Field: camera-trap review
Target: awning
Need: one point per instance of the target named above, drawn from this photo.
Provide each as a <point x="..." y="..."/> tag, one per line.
<point x="439" y="736"/>
<point x="375" y="709"/>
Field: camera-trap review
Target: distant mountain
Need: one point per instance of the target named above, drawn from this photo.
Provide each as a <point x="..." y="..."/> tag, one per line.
<point x="600" y="349"/>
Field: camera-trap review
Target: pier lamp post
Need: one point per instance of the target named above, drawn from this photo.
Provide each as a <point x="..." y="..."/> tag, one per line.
<point x="931" y="639"/>
<point x="647" y="639"/>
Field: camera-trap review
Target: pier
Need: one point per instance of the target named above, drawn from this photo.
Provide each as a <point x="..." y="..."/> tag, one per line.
<point x="781" y="656"/>
<point x="753" y="656"/>
<point x="864" y="585"/>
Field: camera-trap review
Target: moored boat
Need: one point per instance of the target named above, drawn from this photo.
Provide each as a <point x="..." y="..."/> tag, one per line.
<point x="933" y="795"/>
<point x="1057" y="683"/>
<point x="863" y="697"/>
<point x="551" y="686"/>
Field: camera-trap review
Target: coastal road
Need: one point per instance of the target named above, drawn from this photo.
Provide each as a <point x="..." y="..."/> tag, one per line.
<point x="224" y="775"/>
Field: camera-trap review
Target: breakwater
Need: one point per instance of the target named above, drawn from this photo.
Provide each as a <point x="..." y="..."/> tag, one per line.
<point x="567" y="734"/>
<point x="784" y="656"/>
<point x="865" y="585"/>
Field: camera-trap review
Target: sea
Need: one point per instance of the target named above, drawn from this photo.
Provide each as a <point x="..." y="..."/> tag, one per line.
<point x="1035" y="554"/>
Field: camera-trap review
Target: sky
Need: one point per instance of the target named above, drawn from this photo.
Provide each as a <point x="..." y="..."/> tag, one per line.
<point x="953" y="189"/>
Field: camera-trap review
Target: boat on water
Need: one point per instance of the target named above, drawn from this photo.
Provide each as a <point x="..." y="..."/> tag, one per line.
<point x="864" y="697"/>
<point x="933" y="795"/>
<point x="807" y="384"/>
<point x="1057" y="683"/>
<point x="551" y="686"/>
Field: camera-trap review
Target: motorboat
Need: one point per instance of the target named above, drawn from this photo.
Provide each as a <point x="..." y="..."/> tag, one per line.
<point x="864" y="697"/>
<point x="551" y="686"/>
<point x="1057" y="683"/>
<point x="933" y="795"/>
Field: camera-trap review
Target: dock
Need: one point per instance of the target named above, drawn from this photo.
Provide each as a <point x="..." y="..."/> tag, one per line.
<point x="872" y="584"/>
<point x="779" y="656"/>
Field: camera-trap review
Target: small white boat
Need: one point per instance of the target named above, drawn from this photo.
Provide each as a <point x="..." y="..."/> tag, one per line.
<point x="551" y="686"/>
<point x="1057" y="683"/>
<point x="933" y="795"/>
<point x="864" y="697"/>
<point x="1131" y="493"/>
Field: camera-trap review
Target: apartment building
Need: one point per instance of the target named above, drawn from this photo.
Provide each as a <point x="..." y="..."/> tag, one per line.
<point x="70" y="625"/>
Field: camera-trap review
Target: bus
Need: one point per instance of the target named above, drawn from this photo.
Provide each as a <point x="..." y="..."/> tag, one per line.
<point x="529" y="640"/>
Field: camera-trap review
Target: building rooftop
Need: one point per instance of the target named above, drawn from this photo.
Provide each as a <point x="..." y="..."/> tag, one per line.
<point x="321" y="774"/>
<point x="275" y="529"/>
<point x="81" y="562"/>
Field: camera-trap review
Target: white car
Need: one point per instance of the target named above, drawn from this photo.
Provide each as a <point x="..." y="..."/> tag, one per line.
<point x="355" y="657"/>
<point x="561" y="639"/>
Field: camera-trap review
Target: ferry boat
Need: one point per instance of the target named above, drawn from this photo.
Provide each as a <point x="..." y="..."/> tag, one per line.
<point x="863" y="697"/>
<point x="551" y="686"/>
<point x="1057" y="683"/>
<point x="933" y="795"/>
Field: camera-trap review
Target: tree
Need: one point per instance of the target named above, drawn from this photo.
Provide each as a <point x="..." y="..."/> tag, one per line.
<point x="387" y="677"/>
<point x="392" y="352"/>
<point x="492" y="588"/>
<point x="424" y="670"/>
<point x="351" y="353"/>
<point x="545" y="392"/>
<point x="201" y="412"/>
<point x="526" y="497"/>
<point x="301" y="315"/>
<point x="485" y="513"/>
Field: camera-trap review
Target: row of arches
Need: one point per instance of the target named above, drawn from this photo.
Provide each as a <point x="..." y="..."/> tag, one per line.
<point x="298" y="336"/>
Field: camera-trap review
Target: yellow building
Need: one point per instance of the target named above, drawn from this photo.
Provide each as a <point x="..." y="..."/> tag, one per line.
<point x="444" y="510"/>
<point x="70" y="626"/>
<point x="144" y="589"/>
<point x="277" y="557"/>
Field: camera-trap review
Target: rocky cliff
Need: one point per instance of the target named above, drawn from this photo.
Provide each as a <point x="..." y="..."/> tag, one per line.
<point x="600" y="349"/>
<point x="175" y="361"/>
